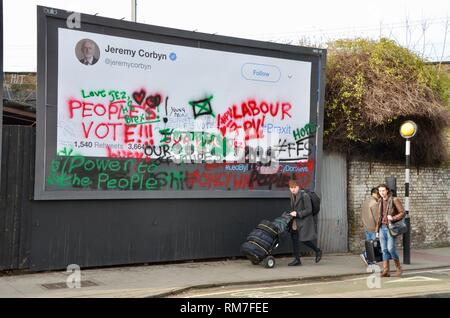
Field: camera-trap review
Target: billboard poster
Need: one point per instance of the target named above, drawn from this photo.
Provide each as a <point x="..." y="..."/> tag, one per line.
<point x="135" y="115"/>
<point x="137" y="98"/>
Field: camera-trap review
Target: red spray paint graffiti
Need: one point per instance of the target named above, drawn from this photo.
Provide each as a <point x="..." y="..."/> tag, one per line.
<point x="250" y="117"/>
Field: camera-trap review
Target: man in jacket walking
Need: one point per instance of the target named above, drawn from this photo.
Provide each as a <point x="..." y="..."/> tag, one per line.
<point x="303" y="227"/>
<point x="390" y="209"/>
<point x="369" y="218"/>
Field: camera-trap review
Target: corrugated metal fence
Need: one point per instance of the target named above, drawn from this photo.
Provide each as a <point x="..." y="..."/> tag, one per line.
<point x="333" y="225"/>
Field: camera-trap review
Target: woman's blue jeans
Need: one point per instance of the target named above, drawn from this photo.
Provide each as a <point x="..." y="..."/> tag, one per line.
<point x="388" y="244"/>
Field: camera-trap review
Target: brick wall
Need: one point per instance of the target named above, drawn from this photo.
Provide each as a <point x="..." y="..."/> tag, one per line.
<point x="429" y="201"/>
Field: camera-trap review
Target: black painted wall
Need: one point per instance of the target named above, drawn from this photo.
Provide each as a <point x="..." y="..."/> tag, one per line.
<point x="17" y="182"/>
<point x="111" y="232"/>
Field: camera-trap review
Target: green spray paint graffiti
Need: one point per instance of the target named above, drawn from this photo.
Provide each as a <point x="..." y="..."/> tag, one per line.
<point x="77" y="172"/>
<point x="308" y="130"/>
<point x="111" y="174"/>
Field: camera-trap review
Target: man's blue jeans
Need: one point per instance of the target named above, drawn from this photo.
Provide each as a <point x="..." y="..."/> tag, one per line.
<point x="388" y="244"/>
<point x="369" y="236"/>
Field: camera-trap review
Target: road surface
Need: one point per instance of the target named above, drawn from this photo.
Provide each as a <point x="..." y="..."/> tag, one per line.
<point x="422" y="283"/>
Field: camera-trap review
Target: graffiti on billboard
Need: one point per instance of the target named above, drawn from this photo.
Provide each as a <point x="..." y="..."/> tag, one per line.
<point x="198" y="120"/>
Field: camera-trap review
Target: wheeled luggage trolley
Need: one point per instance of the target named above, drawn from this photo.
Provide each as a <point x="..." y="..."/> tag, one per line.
<point x="264" y="239"/>
<point x="260" y="243"/>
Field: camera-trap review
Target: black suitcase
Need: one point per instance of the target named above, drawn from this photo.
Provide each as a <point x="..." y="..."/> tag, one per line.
<point x="262" y="238"/>
<point x="282" y="222"/>
<point x="253" y="251"/>
<point x="268" y="227"/>
<point x="373" y="250"/>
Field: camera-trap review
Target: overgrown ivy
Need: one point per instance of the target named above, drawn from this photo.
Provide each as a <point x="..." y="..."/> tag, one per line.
<point x="372" y="86"/>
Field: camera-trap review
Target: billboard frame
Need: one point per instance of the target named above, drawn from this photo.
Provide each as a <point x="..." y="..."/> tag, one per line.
<point x="46" y="93"/>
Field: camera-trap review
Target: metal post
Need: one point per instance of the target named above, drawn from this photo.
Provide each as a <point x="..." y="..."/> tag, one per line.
<point x="133" y="10"/>
<point x="407" y="235"/>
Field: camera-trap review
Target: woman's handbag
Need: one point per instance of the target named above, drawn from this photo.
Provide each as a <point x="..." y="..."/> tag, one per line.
<point x="397" y="228"/>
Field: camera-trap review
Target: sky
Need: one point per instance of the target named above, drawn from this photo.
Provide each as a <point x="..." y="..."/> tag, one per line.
<point x="422" y="26"/>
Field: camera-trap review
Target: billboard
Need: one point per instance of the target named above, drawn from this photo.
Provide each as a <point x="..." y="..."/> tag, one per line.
<point x="136" y="111"/>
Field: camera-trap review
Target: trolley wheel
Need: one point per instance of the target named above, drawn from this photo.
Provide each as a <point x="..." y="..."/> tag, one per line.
<point x="269" y="262"/>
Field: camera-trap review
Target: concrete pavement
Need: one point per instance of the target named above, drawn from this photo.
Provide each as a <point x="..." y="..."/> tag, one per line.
<point x="165" y="279"/>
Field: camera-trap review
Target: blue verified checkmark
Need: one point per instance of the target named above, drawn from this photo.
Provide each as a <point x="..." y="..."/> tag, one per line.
<point x="173" y="56"/>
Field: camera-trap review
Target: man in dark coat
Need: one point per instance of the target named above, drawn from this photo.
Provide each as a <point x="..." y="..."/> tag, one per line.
<point x="304" y="228"/>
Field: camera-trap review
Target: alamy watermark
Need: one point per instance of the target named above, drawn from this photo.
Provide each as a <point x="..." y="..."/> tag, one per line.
<point x="74" y="279"/>
<point x="374" y="279"/>
<point x="74" y="21"/>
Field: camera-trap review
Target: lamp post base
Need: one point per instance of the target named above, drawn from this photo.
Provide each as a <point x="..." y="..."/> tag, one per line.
<point x="407" y="242"/>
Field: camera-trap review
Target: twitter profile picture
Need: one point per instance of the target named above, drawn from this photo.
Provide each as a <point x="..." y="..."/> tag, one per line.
<point x="87" y="52"/>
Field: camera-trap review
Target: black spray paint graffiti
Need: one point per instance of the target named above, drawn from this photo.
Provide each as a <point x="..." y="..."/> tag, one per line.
<point x="202" y="107"/>
<point x="295" y="151"/>
<point x="151" y="101"/>
<point x="165" y="107"/>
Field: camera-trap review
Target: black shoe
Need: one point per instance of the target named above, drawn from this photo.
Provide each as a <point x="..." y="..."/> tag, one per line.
<point x="295" y="262"/>
<point x="318" y="256"/>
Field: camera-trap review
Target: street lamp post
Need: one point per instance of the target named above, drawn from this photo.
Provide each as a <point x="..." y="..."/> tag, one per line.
<point x="134" y="10"/>
<point x="407" y="130"/>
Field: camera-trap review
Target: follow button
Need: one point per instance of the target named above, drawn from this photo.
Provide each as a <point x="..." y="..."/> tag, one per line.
<point x="260" y="72"/>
